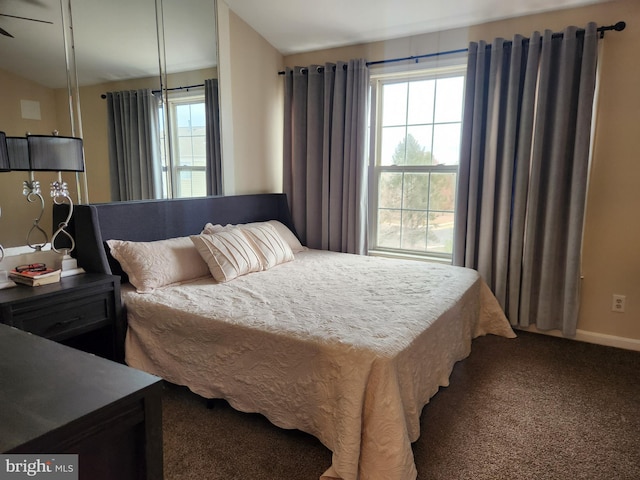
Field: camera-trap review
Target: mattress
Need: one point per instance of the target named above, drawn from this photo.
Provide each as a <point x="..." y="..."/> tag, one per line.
<point x="347" y="348"/>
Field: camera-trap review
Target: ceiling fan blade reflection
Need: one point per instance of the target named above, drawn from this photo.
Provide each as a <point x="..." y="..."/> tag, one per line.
<point x="5" y="33"/>
<point x="25" y="18"/>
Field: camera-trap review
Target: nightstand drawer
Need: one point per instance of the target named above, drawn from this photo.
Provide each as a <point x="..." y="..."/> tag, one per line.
<point x="63" y="320"/>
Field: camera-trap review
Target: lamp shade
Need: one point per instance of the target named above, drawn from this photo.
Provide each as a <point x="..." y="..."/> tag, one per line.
<point x="53" y="153"/>
<point x="18" y="153"/>
<point x="4" y="153"/>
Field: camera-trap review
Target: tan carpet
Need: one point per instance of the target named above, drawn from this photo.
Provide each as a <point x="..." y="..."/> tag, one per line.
<point x="535" y="407"/>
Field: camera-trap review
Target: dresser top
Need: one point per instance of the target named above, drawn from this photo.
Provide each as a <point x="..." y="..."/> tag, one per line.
<point x="45" y="385"/>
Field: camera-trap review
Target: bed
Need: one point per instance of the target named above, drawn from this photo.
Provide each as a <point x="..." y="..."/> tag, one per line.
<point x="347" y="348"/>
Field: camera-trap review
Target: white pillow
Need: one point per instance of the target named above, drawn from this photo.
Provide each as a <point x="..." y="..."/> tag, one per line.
<point x="228" y="254"/>
<point x="152" y="265"/>
<point x="269" y="244"/>
<point x="286" y="234"/>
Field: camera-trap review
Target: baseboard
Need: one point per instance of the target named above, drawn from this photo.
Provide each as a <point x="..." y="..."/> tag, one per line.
<point x="593" y="337"/>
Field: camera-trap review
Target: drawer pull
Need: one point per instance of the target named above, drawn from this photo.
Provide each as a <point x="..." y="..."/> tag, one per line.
<point x="64" y="323"/>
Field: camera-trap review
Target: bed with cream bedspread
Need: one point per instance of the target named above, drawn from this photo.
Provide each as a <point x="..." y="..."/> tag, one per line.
<point x="347" y="348"/>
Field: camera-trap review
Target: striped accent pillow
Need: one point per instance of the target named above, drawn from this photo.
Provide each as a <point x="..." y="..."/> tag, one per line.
<point x="273" y="249"/>
<point x="228" y="254"/>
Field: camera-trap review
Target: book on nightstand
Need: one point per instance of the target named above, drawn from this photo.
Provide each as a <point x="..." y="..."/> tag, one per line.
<point x="35" y="279"/>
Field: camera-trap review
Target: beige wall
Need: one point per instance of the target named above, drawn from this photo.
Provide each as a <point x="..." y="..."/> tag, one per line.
<point x="611" y="257"/>
<point x="251" y="87"/>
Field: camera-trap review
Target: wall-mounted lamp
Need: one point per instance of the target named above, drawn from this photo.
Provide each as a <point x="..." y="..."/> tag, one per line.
<point x="55" y="153"/>
<point x="4" y="167"/>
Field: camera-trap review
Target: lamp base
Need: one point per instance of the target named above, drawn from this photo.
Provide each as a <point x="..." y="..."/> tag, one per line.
<point x="69" y="266"/>
<point x="4" y="280"/>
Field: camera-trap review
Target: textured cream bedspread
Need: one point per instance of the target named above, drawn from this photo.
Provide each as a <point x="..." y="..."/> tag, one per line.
<point x="347" y="348"/>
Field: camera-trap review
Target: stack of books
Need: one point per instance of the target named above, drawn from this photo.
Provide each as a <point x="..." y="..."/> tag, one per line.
<point x="35" y="278"/>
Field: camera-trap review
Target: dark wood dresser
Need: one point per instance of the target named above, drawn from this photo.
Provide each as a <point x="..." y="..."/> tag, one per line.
<point x="56" y="399"/>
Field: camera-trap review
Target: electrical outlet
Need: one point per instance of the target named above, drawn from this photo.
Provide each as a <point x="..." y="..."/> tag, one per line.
<point x="618" y="303"/>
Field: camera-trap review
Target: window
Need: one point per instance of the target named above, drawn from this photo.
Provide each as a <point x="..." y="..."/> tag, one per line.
<point x="186" y="177"/>
<point x="416" y="130"/>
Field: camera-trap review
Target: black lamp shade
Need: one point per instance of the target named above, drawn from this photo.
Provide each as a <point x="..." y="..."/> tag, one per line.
<point x="4" y="153"/>
<point x="18" y="153"/>
<point x="53" y="153"/>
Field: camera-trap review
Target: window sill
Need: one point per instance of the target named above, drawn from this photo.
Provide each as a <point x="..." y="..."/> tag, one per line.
<point x="409" y="256"/>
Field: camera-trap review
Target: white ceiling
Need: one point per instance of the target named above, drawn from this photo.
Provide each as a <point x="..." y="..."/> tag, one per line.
<point x="294" y="26"/>
<point x="116" y="39"/>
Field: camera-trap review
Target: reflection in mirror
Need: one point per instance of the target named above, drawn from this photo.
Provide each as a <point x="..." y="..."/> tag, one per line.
<point x="190" y="96"/>
<point x="120" y="54"/>
<point x="116" y="49"/>
<point x="35" y="98"/>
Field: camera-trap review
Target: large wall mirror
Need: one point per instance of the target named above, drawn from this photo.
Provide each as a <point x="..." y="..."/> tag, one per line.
<point x="166" y="46"/>
<point x="34" y="98"/>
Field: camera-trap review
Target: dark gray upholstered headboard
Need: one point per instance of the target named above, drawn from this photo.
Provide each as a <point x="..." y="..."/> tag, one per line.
<point x="148" y="220"/>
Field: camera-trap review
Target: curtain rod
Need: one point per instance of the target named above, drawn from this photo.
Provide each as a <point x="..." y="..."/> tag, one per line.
<point x="104" y="95"/>
<point x="179" y="88"/>
<point x="618" y="27"/>
<point x="417" y="57"/>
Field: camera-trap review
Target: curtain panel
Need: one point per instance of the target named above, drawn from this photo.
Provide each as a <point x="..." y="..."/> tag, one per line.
<point x="325" y="129"/>
<point x="523" y="172"/>
<point x="214" y="156"/>
<point x="134" y="146"/>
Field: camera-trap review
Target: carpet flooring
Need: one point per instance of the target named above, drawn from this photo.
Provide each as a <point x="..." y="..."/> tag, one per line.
<point x="534" y="407"/>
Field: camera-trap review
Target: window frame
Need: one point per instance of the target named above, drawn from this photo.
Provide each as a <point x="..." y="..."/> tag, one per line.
<point x="172" y="171"/>
<point x="454" y="68"/>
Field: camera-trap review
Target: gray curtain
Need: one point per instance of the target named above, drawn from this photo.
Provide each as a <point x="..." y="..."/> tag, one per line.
<point x="325" y="153"/>
<point x="523" y="172"/>
<point x="134" y="145"/>
<point x="214" y="157"/>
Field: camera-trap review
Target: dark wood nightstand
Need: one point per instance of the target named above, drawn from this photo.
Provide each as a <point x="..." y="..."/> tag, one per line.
<point x="82" y="311"/>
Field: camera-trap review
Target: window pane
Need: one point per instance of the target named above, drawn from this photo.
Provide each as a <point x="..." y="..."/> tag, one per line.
<point x="415" y="194"/>
<point x="189" y="144"/>
<point x="392" y="146"/>
<point x="442" y="194"/>
<point x="183" y="119"/>
<point x="440" y="234"/>
<point x="414" y="230"/>
<point x="199" y="146"/>
<point x="389" y="228"/>
<point x="446" y="144"/>
<point x="191" y="183"/>
<point x="185" y="161"/>
<point x="185" y="151"/>
<point x="394" y="104"/>
<point x="198" y="116"/>
<point x="449" y="93"/>
<point x="390" y="190"/>
<point x="418" y="148"/>
<point x="421" y="101"/>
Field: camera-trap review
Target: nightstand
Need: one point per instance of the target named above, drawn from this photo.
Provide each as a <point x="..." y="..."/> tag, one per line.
<point x="82" y="311"/>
